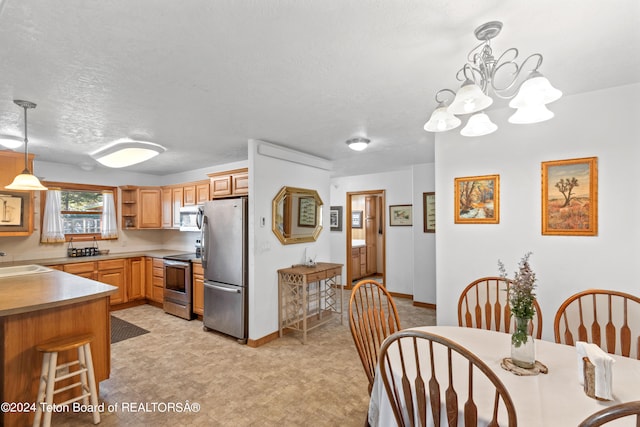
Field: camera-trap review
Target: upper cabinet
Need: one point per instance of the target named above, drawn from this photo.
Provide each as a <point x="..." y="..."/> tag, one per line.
<point x="229" y="183"/>
<point x="141" y="207"/>
<point x="16" y="207"/>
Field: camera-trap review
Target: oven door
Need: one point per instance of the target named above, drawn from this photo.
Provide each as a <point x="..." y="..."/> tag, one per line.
<point x="177" y="279"/>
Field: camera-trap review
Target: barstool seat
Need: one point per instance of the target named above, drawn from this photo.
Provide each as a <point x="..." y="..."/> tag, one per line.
<point x="52" y="373"/>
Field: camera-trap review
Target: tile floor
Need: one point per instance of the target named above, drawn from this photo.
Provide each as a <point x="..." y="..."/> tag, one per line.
<point x="282" y="383"/>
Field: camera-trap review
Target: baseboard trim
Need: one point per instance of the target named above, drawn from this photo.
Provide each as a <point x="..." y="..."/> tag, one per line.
<point x="424" y="305"/>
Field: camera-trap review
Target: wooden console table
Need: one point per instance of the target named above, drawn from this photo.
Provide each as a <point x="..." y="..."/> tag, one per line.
<point x="308" y="296"/>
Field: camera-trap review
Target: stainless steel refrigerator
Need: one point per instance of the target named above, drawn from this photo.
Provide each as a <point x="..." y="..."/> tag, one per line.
<point x="224" y="259"/>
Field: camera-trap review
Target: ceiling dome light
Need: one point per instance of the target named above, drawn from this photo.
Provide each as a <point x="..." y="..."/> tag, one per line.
<point x="442" y="120"/>
<point x="126" y="153"/>
<point x="478" y="125"/>
<point x="25" y="181"/>
<point x="358" y="144"/>
<point x="10" y="141"/>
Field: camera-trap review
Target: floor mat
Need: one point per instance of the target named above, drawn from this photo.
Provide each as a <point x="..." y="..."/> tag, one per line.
<point x="122" y="330"/>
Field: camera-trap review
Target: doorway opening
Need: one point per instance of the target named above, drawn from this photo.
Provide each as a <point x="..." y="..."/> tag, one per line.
<point x="365" y="225"/>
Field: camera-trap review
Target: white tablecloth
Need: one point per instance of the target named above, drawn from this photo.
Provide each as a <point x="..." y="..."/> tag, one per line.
<point x="552" y="399"/>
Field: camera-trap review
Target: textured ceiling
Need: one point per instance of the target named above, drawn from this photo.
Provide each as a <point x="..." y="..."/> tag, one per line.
<point x="201" y="77"/>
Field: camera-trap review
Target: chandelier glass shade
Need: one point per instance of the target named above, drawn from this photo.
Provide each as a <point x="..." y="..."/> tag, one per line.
<point x="25" y="181"/>
<point x="502" y="77"/>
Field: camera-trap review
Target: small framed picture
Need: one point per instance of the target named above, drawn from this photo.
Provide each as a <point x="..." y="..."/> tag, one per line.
<point x="306" y="212"/>
<point x="429" y="202"/>
<point x="401" y="215"/>
<point x="356" y="219"/>
<point x="477" y="200"/>
<point x="14" y="211"/>
<point x="335" y="218"/>
<point x="570" y="197"/>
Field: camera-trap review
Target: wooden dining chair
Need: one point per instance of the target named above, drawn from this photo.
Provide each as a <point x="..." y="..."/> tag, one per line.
<point x="613" y="413"/>
<point x="484" y="304"/>
<point x="610" y="319"/>
<point x="373" y="316"/>
<point x="421" y="371"/>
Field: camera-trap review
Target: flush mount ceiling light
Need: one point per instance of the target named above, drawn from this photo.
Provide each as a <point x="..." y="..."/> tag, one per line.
<point x="10" y="141"/>
<point x="25" y="181"/>
<point x="126" y="153"/>
<point x="358" y="144"/>
<point x="478" y="77"/>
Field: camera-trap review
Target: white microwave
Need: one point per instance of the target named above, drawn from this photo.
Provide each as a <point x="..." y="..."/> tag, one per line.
<point x="191" y="218"/>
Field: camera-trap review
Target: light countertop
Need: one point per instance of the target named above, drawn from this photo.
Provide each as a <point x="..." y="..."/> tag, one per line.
<point x="159" y="253"/>
<point x="32" y="292"/>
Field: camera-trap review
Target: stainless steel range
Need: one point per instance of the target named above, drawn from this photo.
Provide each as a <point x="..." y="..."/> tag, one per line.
<point x="178" y="288"/>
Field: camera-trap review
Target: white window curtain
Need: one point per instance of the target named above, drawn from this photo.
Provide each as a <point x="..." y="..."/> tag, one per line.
<point x="109" y="226"/>
<point x="52" y="224"/>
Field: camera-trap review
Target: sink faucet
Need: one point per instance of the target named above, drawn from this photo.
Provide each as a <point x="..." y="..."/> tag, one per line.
<point x="2" y="253"/>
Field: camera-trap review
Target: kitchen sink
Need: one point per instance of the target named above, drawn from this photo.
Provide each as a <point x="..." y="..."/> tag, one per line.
<point x="19" y="270"/>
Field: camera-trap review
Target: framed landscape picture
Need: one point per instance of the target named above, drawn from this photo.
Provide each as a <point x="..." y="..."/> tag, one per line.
<point x="335" y="218"/>
<point x="400" y="215"/>
<point x="477" y="200"/>
<point x="570" y="197"/>
<point x="429" y="202"/>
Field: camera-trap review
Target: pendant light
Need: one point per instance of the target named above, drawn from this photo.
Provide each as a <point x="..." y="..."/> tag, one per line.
<point x="26" y="181"/>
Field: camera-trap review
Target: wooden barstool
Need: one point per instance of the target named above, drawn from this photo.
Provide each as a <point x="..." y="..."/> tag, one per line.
<point x="51" y="373"/>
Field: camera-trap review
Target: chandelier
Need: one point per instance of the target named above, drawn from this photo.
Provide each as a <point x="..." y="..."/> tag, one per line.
<point x="482" y="74"/>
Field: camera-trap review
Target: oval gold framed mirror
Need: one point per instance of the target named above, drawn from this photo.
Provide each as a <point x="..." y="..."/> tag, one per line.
<point x="296" y="215"/>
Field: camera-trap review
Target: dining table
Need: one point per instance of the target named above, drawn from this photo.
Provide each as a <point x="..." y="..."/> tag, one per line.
<point x="554" y="398"/>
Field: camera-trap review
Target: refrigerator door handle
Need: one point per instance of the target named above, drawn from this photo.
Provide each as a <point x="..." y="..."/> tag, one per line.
<point x="204" y="239"/>
<point x="220" y="288"/>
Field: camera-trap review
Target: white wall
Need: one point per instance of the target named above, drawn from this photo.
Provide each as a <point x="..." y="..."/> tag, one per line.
<point x="599" y="124"/>
<point x="409" y="254"/>
<point x="267" y="175"/>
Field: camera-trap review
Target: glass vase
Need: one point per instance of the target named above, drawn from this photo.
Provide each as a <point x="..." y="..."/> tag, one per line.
<point x="523" y="350"/>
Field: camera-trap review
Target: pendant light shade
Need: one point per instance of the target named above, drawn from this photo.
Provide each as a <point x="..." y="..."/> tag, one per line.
<point x="478" y="125"/>
<point x="25" y="181"/>
<point x="126" y="153"/>
<point x="531" y="114"/>
<point x="442" y="120"/>
<point x="536" y="90"/>
<point x="469" y="99"/>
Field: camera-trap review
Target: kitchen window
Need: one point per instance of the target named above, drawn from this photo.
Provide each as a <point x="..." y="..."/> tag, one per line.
<point x="81" y="209"/>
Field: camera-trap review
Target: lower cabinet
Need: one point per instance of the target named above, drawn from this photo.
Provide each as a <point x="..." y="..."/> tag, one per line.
<point x="358" y="262"/>
<point x="198" y="288"/>
<point x="113" y="272"/>
<point x="154" y="279"/>
<point x="135" y="282"/>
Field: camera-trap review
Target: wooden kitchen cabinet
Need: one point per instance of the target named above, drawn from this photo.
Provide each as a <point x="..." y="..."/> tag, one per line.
<point x="189" y="195"/>
<point x="229" y="183"/>
<point x="198" y="288"/>
<point x="83" y="269"/>
<point x="167" y="208"/>
<point x="177" y="194"/>
<point x="113" y="272"/>
<point x="12" y="164"/>
<point x="156" y="290"/>
<point x="371" y="235"/>
<point x="141" y="207"/>
<point x="202" y="192"/>
<point x="135" y="283"/>
<point x="356" y="270"/>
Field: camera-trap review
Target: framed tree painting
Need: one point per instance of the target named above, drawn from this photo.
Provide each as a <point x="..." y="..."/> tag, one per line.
<point x="570" y="197"/>
<point x="477" y="200"/>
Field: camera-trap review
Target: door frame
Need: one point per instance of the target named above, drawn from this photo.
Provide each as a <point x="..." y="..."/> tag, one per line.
<point x="382" y="217"/>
